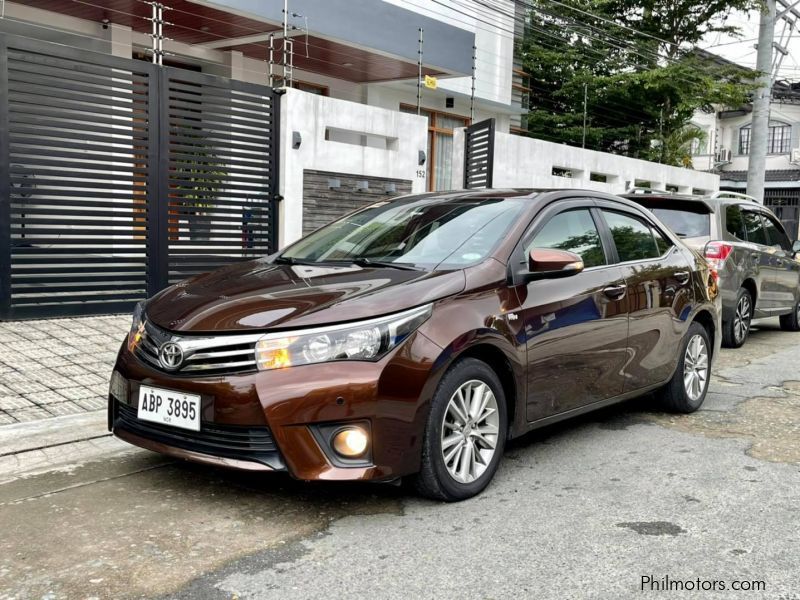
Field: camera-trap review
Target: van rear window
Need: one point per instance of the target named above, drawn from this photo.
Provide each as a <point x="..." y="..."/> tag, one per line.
<point x="685" y="219"/>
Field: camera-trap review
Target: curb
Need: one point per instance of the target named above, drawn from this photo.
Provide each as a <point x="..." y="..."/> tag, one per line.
<point x="56" y="431"/>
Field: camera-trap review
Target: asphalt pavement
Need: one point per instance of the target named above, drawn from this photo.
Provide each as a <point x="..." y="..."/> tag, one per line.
<point x="622" y="503"/>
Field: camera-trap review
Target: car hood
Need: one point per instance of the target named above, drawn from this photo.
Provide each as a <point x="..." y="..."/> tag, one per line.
<point x="259" y="295"/>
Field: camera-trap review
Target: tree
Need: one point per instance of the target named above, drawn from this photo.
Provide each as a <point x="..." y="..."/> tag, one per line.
<point x="637" y="63"/>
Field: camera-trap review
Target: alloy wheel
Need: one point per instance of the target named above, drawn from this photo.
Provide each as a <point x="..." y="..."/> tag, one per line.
<point x="741" y="322"/>
<point x="695" y="367"/>
<point x="470" y="428"/>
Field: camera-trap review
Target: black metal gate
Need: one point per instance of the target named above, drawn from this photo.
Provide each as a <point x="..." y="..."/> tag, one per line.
<point x="785" y="203"/>
<point x="479" y="155"/>
<point x="118" y="177"/>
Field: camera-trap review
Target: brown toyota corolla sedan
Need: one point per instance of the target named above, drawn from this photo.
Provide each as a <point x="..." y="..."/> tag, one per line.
<point x="414" y="337"/>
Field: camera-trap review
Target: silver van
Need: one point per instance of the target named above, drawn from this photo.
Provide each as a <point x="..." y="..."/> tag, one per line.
<point x="755" y="262"/>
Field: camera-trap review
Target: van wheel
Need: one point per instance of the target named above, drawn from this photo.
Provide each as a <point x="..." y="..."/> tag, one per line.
<point x="687" y="389"/>
<point x="735" y="331"/>
<point x="791" y="322"/>
<point x="465" y="434"/>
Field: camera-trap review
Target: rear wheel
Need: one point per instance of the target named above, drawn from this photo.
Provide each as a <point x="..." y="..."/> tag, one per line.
<point x="791" y="322"/>
<point x="735" y="331"/>
<point x="465" y="434"/>
<point x="687" y="389"/>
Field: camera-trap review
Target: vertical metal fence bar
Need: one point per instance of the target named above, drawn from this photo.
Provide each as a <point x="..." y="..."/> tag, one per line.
<point x="5" y="188"/>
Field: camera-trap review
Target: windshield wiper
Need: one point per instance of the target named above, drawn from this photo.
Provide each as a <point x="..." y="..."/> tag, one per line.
<point x="288" y="260"/>
<point x="368" y="262"/>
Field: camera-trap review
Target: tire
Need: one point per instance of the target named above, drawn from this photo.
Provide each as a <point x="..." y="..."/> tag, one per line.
<point x="685" y="394"/>
<point x="735" y="331"/>
<point x="435" y="480"/>
<point x="791" y="322"/>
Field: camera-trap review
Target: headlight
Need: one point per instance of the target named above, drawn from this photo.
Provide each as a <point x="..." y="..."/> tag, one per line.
<point x="137" y="325"/>
<point x="366" y="340"/>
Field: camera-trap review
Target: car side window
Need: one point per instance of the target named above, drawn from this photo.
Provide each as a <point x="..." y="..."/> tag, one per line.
<point x="754" y="227"/>
<point x="662" y="243"/>
<point x="574" y="231"/>
<point x="633" y="237"/>
<point x="734" y="222"/>
<point x="776" y="234"/>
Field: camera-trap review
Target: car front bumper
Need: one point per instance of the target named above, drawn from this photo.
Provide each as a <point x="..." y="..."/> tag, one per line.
<point x="265" y="421"/>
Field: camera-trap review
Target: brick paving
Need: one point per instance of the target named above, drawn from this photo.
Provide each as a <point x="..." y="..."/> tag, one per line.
<point x="56" y="367"/>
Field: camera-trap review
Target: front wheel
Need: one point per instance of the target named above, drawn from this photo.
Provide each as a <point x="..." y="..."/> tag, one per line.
<point x="791" y="322"/>
<point x="735" y="331"/>
<point x="465" y="434"/>
<point x="687" y="389"/>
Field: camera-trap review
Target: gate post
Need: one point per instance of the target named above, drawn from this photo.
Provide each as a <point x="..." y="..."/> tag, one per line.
<point x="5" y="188"/>
<point x="275" y="171"/>
<point x="158" y="181"/>
<point x="479" y="155"/>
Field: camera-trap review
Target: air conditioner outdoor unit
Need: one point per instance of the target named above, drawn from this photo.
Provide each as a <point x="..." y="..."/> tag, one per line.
<point x="724" y="155"/>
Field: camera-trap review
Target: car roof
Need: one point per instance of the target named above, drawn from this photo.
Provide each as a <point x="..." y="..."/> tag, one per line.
<point x="711" y="201"/>
<point x="502" y="193"/>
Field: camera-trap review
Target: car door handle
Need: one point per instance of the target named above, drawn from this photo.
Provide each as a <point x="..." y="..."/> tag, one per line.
<point x="682" y="277"/>
<point x="615" y="292"/>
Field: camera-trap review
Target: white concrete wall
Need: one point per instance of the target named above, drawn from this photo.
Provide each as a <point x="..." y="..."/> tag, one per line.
<point x="401" y="136"/>
<point x="528" y="162"/>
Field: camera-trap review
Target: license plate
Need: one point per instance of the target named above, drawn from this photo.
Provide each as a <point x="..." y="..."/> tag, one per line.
<point x="169" y="407"/>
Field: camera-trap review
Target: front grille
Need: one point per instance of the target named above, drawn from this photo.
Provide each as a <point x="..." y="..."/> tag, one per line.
<point x="228" y="441"/>
<point x="212" y="355"/>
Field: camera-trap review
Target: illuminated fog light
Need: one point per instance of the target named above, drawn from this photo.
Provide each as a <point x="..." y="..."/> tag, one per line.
<point x="350" y="442"/>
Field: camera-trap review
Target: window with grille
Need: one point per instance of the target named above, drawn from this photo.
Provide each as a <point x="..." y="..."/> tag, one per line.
<point x="779" y="139"/>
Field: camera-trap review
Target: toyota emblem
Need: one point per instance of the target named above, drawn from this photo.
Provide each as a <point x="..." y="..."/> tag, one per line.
<point x="170" y="355"/>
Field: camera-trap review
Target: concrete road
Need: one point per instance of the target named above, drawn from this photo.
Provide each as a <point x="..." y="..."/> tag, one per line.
<point x="585" y="509"/>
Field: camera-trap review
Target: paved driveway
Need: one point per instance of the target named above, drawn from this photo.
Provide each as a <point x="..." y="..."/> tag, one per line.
<point x="585" y="509"/>
<point x="57" y="367"/>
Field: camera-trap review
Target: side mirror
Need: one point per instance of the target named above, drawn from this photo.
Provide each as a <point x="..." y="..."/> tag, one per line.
<point x="549" y="263"/>
<point x="796" y="247"/>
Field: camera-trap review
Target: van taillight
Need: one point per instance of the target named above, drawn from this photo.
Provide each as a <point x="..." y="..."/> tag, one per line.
<point x="716" y="253"/>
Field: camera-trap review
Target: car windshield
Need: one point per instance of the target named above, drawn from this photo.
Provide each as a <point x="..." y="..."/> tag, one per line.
<point x="425" y="233"/>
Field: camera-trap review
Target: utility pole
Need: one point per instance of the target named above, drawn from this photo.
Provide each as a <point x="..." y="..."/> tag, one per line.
<point x="585" y="98"/>
<point x="759" y="127"/>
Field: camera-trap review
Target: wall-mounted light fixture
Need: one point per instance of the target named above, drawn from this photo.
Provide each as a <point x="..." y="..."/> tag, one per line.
<point x="421" y="157"/>
<point x="297" y="139"/>
<point x="334" y="184"/>
<point x="362" y="185"/>
<point x="391" y="187"/>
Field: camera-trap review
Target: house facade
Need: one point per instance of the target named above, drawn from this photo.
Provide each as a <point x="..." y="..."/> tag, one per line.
<point x="726" y="151"/>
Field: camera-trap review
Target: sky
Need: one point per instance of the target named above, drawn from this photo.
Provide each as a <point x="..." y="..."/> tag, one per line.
<point x="742" y="50"/>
